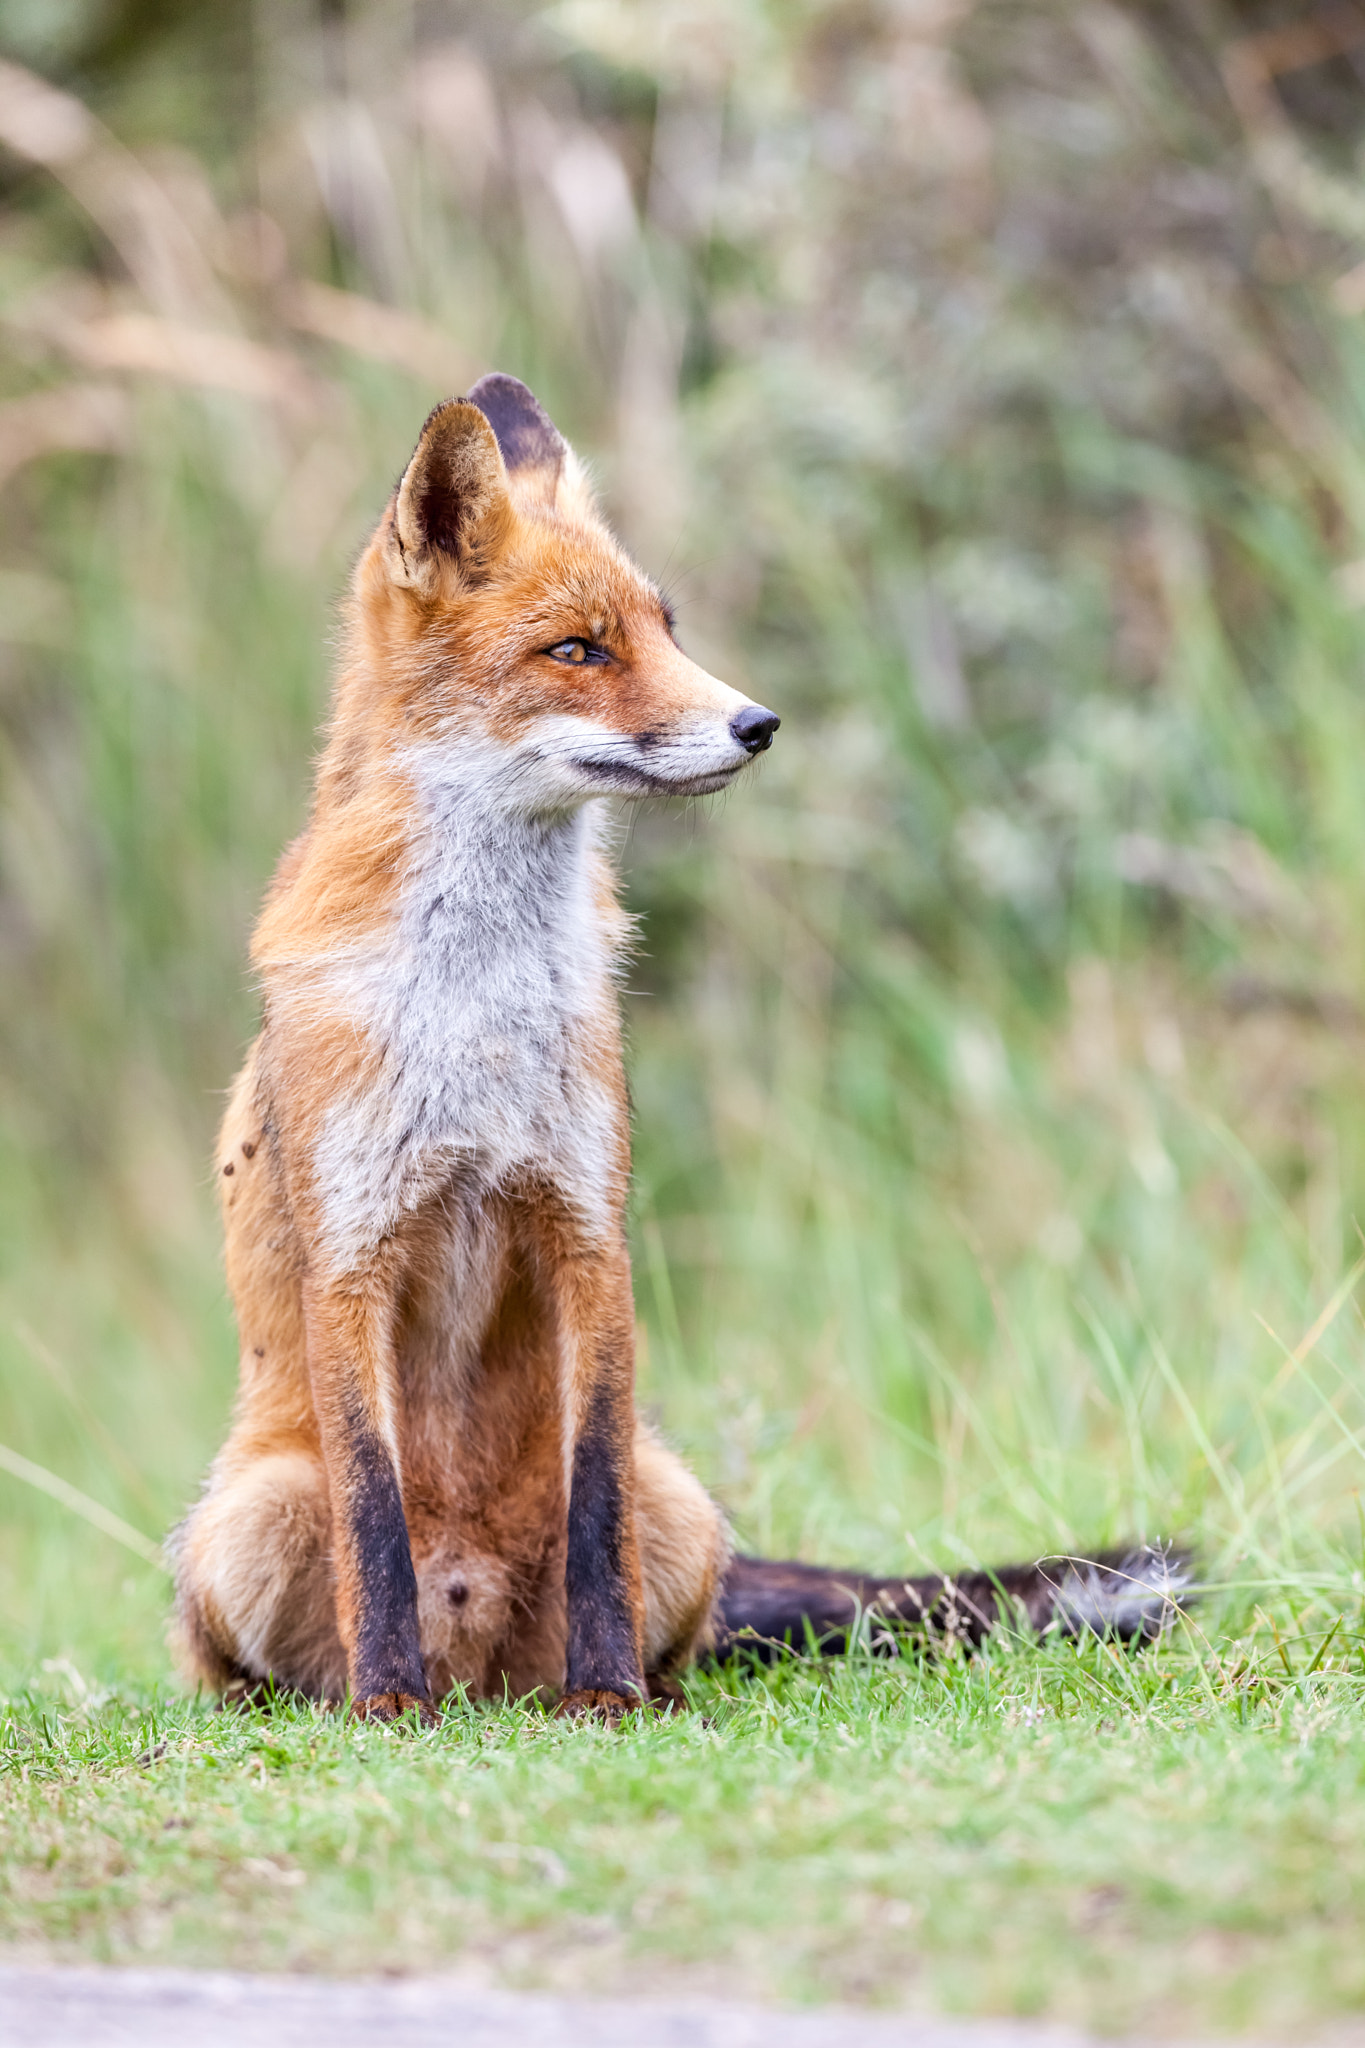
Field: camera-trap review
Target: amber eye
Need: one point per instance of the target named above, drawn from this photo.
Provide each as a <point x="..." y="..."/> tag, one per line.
<point x="575" y="651"/>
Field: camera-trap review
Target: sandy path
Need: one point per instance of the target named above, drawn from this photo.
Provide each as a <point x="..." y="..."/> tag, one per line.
<point x="96" y="2008"/>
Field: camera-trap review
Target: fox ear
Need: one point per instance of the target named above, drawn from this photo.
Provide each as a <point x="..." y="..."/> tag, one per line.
<point x="532" y="445"/>
<point x="452" y="502"/>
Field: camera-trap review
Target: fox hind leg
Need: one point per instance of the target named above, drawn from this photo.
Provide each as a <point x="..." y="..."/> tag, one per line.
<point x="684" y="1549"/>
<point x="255" y="1594"/>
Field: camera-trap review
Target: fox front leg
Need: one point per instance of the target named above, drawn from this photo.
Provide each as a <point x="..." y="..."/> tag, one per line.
<point x="604" y="1671"/>
<point x="351" y="1368"/>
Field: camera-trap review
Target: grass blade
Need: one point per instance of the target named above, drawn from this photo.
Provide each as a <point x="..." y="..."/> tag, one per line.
<point x="101" y="1518"/>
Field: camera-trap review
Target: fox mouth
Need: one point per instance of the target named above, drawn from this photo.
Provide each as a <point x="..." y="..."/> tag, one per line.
<point x="631" y="780"/>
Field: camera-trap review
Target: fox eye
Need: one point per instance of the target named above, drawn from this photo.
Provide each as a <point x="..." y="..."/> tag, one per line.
<point x="576" y="652"/>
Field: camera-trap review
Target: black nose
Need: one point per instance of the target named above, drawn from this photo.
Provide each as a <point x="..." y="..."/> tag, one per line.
<point x="754" y="727"/>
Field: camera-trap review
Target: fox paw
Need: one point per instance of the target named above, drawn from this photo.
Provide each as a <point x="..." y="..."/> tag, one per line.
<point x="589" y="1704"/>
<point x="392" y="1706"/>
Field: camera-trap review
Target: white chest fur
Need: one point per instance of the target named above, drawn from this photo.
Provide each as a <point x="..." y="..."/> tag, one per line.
<point x="482" y="1016"/>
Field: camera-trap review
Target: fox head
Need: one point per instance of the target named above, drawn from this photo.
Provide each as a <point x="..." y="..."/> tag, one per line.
<point x="521" y="628"/>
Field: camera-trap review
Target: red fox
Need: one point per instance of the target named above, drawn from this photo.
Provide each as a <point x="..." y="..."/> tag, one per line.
<point x="436" y="1475"/>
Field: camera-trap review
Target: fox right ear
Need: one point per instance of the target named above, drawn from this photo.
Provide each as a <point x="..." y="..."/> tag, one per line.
<point x="453" y="505"/>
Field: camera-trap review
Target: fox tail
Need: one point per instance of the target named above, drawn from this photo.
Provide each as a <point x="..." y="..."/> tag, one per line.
<point x="1130" y="1594"/>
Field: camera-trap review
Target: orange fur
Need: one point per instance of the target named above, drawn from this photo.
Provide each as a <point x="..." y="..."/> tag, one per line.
<point x="435" y="1475"/>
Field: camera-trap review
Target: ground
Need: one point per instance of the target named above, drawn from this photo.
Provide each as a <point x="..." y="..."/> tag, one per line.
<point x="1160" y="1841"/>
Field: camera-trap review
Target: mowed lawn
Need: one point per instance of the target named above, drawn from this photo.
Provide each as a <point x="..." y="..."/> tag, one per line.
<point x="1174" y="1840"/>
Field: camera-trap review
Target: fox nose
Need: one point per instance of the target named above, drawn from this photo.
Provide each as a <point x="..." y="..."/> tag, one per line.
<point x="754" y="727"/>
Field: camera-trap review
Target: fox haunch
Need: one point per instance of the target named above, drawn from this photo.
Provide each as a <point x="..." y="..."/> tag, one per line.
<point x="435" y="1473"/>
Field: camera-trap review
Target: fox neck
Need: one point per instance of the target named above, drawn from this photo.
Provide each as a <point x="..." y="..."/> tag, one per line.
<point x="519" y="903"/>
<point x="490" y="851"/>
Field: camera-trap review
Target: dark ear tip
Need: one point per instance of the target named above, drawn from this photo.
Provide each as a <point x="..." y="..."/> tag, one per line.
<point x="498" y="385"/>
<point x="527" y="436"/>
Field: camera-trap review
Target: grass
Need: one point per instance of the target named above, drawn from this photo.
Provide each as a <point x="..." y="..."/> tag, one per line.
<point x="1173" y="1842"/>
<point x="1000" y="1143"/>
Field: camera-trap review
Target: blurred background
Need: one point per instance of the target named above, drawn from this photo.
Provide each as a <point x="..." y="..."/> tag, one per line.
<point x="984" y="380"/>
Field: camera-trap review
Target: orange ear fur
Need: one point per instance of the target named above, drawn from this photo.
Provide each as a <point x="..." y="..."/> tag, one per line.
<point x="453" y="507"/>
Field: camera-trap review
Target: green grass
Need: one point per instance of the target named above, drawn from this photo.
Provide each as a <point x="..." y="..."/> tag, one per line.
<point x="1174" y="1841"/>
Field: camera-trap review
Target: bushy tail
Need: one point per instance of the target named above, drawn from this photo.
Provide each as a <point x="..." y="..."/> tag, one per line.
<point x="1132" y="1594"/>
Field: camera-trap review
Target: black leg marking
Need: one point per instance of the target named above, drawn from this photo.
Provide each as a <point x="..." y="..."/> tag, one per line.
<point x="602" y="1653"/>
<point x="388" y="1653"/>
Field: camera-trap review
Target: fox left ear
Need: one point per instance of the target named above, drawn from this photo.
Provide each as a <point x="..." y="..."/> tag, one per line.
<point x="452" y="502"/>
<point x="531" y="444"/>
